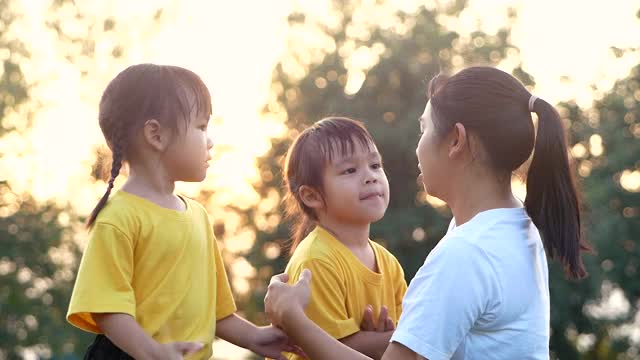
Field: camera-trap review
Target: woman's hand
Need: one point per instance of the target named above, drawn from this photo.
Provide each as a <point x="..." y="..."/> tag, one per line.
<point x="283" y="300"/>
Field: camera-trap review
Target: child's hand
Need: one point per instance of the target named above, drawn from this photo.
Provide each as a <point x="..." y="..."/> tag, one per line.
<point x="178" y="350"/>
<point x="384" y="323"/>
<point x="271" y="342"/>
<point x="283" y="299"/>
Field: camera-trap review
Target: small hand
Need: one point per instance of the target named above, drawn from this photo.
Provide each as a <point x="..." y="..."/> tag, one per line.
<point x="384" y="323"/>
<point x="271" y="342"/>
<point x="178" y="350"/>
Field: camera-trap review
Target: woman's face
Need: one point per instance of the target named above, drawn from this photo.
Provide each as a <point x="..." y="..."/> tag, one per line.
<point x="432" y="156"/>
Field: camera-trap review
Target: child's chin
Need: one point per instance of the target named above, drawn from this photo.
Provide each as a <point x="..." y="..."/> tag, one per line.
<point x="196" y="178"/>
<point x="377" y="217"/>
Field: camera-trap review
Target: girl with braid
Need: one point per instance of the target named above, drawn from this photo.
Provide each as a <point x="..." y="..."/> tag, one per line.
<point x="151" y="282"/>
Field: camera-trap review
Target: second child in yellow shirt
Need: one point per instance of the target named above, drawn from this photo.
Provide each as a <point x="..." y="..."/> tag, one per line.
<point x="336" y="187"/>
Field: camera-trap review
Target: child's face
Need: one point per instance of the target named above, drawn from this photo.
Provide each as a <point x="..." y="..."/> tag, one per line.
<point x="188" y="155"/>
<point x="356" y="189"/>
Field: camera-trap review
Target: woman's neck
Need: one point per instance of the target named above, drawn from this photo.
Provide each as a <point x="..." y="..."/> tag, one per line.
<point x="473" y="195"/>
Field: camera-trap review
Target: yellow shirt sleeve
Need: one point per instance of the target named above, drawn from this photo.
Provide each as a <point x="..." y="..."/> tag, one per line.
<point x="103" y="283"/>
<point x="225" y="305"/>
<point x="400" y="290"/>
<point x="327" y="306"/>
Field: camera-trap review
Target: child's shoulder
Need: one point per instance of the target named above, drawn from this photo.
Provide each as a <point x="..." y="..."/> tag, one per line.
<point x="124" y="208"/>
<point x="118" y="210"/>
<point x="315" y="247"/>
<point x="197" y="208"/>
<point x="384" y="255"/>
<point x="381" y="250"/>
<point x="316" y="254"/>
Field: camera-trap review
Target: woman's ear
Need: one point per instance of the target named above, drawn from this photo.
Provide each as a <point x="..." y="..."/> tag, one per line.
<point x="156" y="135"/>
<point x="310" y="197"/>
<point x="458" y="141"/>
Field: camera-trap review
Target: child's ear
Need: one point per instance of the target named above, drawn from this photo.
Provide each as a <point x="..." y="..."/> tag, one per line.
<point x="156" y="135"/>
<point x="310" y="197"/>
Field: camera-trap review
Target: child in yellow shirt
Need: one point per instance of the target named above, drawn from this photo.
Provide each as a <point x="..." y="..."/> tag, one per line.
<point x="151" y="282"/>
<point x="336" y="187"/>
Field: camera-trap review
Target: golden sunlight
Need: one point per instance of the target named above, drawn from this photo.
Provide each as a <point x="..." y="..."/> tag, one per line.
<point x="630" y="180"/>
<point x="53" y="158"/>
<point x="234" y="46"/>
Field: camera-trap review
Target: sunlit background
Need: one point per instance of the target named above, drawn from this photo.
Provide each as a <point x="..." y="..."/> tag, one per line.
<point x="234" y="46"/>
<point x="575" y="50"/>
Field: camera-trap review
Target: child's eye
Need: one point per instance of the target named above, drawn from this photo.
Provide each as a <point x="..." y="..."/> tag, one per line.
<point x="349" y="171"/>
<point x="203" y="128"/>
<point x="376" y="166"/>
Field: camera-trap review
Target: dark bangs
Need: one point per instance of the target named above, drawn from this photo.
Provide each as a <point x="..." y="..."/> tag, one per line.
<point x="337" y="137"/>
<point x="193" y="97"/>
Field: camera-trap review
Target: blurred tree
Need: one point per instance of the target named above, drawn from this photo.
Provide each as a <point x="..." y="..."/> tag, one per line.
<point x="13" y="89"/>
<point x="37" y="267"/>
<point x="607" y="154"/>
<point x="38" y="251"/>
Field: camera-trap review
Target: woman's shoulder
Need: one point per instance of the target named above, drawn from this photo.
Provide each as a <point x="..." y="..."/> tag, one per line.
<point x="456" y="244"/>
<point x="492" y="228"/>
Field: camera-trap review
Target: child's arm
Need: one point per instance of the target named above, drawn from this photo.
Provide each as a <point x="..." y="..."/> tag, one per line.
<point x="126" y="334"/>
<point x="370" y="343"/>
<point x="285" y="306"/>
<point x="267" y="341"/>
<point x="374" y="337"/>
<point x="316" y="343"/>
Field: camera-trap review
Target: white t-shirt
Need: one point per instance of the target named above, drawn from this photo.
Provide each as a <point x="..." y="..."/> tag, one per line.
<point x="482" y="293"/>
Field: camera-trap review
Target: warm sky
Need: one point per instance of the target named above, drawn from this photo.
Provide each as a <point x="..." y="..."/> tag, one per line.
<point x="233" y="46"/>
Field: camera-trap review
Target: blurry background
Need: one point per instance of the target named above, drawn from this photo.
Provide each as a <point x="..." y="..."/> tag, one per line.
<point x="273" y="68"/>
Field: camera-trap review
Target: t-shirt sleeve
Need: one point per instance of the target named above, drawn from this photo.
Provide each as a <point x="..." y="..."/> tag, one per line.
<point x="401" y="287"/>
<point x="103" y="283"/>
<point x="452" y="289"/>
<point x="328" y="295"/>
<point x="225" y="305"/>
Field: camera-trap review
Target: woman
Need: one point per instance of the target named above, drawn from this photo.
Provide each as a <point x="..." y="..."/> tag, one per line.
<point x="483" y="291"/>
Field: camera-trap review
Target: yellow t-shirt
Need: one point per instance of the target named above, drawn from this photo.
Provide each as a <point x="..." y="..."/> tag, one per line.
<point x="342" y="286"/>
<point x="161" y="266"/>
